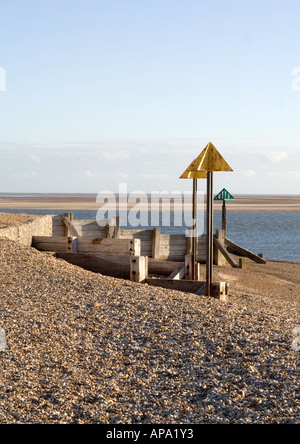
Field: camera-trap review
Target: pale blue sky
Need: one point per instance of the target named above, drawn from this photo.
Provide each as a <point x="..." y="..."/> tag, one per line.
<point x="102" y="92"/>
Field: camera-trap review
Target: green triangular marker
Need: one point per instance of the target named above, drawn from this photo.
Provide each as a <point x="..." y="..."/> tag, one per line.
<point x="224" y="195"/>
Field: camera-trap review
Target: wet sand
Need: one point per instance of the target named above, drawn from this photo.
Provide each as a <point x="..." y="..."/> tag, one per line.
<point x="289" y="203"/>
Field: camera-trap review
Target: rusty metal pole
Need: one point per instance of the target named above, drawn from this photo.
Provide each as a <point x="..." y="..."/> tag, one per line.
<point x="209" y="234"/>
<point x="195" y="236"/>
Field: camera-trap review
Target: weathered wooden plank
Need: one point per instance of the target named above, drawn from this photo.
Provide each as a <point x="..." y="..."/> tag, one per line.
<point x="51" y="246"/>
<point x="178" y="273"/>
<point x="92" y="233"/>
<point x="49" y="239"/>
<point x="161" y="268"/>
<point x="57" y="222"/>
<point x="86" y="223"/>
<point x="240" y="251"/>
<point x="87" y="245"/>
<point x="202" y="290"/>
<point x="225" y="253"/>
<point x="173" y="258"/>
<point x="71" y="228"/>
<point x="109" y="246"/>
<point x="115" y="265"/>
<point x="174" y="249"/>
<point x="58" y="232"/>
<point x="110" y="265"/>
<point x="172" y="242"/>
<point x="128" y="234"/>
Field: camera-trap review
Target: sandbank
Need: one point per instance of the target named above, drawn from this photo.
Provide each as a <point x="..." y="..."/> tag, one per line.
<point x="290" y="203"/>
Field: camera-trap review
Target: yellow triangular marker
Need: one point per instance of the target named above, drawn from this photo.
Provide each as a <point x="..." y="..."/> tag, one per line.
<point x="209" y="160"/>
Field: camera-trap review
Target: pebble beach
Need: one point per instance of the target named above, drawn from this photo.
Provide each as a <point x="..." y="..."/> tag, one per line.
<point x="85" y="348"/>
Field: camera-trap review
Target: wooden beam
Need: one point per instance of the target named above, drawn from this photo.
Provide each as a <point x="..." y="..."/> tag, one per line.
<point x="161" y="268"/>
<point x="178" y="273"/>
<point x="70" y="227"/>
<point x="88" y="245"/>
<point x="240" y="251"/>
<point x="65" y="228"/>
<point x="225" y="253"/>
<point x="50" y="243"/>
<point x="116" y="265"/>
<point x="219" y="258"/>
<point x="202" y="290"/>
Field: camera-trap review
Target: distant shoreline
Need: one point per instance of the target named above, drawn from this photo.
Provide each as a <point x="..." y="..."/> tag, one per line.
<point x="280" y="203"/>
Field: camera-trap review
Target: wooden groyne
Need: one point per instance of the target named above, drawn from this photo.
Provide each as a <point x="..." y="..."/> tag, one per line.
<point x="155" y="245"/>
<point x="144" y="256"/>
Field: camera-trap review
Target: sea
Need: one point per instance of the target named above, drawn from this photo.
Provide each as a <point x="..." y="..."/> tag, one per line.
<point x="276" y="235"/>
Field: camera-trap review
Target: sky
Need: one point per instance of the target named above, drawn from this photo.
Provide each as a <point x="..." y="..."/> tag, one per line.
<point x="98" y="93"/>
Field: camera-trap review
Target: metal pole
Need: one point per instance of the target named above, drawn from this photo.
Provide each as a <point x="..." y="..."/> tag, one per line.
<point x="209" y="234"/>
<point x="224" y="217"/>
<point x="195" y="237"/>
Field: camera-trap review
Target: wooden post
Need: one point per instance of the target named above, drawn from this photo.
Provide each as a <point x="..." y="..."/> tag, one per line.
<point x="156" y="243"/>
<point x="135" y="247"/>
<point x="69" y="217"/>
<point x="242" y="262"/>
<point x="189" y="243"/>
<point x="109" y="231"/>
<point x="221" y="248"/>
<point x="219" y="258"/>
<point x="72" y="244"/>
<point x="209" y="234"/>
<point x="188" y="267"/>
<point x="220" y="290"/>
<point x="138" y="268"/>
<point x="69" y="225"/>
<point x="117" y="228"/>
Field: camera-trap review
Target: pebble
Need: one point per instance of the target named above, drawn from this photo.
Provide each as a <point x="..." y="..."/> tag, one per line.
<point x="86" y="348"/>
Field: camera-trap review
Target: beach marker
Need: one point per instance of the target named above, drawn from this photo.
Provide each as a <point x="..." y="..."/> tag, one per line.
<point x="224" y="195"/>
<point x="203" y="167"/>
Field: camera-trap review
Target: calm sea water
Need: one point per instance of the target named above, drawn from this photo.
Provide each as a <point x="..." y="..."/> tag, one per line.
<point x="275" y="234"/>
